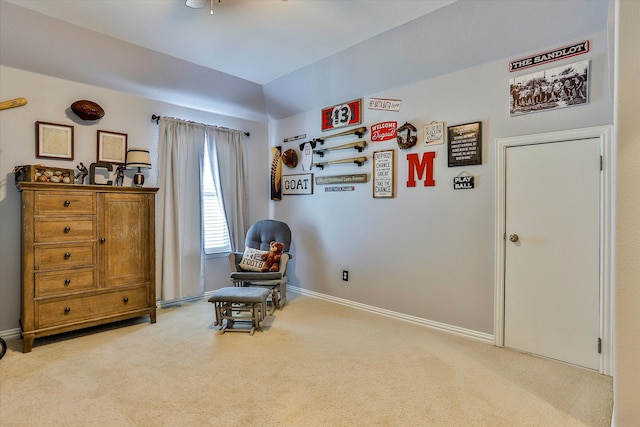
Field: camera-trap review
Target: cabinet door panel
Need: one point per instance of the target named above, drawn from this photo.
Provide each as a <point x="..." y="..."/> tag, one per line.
<point x="124" y="239"/>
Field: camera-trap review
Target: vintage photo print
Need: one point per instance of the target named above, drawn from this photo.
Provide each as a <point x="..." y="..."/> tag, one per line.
<point x="554" y="88"/>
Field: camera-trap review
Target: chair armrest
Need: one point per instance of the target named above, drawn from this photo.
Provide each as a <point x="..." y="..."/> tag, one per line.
<point x="234" y="260"/>
<point x="284" y="258"/>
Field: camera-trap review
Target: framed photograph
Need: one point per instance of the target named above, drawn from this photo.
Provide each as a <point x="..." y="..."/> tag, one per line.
<point x="384" y="184"/>
<point x="550" y="89"/>
<point x="465" y="144"/>
<point x="54" y="141"/>
<point x="112" y="147"/>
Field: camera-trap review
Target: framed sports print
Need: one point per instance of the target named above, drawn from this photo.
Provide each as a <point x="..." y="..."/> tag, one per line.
<point x="112" y="147"/>
<point x="54" y="141"/>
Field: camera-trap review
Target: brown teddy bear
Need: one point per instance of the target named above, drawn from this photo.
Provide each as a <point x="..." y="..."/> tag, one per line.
<point x="272" y="258"/>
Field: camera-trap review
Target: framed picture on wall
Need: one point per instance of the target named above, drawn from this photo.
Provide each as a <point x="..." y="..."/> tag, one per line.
<point x="112" y="147"/>
<point x="550" y="89"/>
<point x="384" y="183"/>
<point x="465" y="144"/>
<point x="54" y="141"/>
<point x="341" y="115"/>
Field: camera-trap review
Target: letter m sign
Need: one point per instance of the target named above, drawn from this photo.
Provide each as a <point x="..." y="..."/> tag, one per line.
<point x="422" y="168"/>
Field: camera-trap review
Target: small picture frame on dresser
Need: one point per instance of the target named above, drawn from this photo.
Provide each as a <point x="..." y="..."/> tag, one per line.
<point x="54" y="141"/>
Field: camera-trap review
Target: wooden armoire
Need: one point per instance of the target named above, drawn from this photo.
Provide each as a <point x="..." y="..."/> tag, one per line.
<point x="88" y="256"/>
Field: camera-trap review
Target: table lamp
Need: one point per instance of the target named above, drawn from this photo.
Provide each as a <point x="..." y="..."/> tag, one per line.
<point x="138" y="158"/>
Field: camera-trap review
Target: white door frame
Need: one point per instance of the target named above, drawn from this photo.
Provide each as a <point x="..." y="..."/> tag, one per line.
<point x="607" y="211"/>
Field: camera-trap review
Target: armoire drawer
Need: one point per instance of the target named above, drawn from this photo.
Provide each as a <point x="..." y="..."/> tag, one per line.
<point x="65" y="229"/>
<point x="64" y="256"/>
<point x="73" y="309"/>
<point x="65" y="202"/>
<point x="63" y="282"/>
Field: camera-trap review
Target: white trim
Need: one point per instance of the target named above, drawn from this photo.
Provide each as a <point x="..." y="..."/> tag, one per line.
<point x="605" y="133"/>
<point x="177" y="303"/>
<point x="11" y="334"/>
<point x="467" y="333"/>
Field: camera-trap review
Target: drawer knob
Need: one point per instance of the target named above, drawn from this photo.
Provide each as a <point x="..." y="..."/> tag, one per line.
<point x="67" y="255"/>
<point x="67" y="229"/>
<point x="67" y="203"/>
<point x="102" y="240"/>
<point x="67" y="282"/>
<point x="67" y="310"/>
<point x="125" y="299"/>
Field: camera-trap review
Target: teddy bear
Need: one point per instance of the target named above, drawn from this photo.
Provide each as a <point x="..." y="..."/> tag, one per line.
<point x="272" y="258"/>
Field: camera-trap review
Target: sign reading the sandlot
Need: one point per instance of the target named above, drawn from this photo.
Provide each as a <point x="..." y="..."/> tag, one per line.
<point x="550" y="56"/>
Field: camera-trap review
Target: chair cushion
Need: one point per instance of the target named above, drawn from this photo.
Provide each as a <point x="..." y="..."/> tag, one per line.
<point x="251" y="259"/>
<point x="251" y="276"/>
<point x="239" y="294"/>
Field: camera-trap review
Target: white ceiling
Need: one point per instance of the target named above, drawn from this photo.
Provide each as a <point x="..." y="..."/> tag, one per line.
<point x="256" y="40"/>
<point x="268" y="59"/>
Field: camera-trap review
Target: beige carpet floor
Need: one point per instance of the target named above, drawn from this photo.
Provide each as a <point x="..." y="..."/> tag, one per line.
<point x="316" y="363"/>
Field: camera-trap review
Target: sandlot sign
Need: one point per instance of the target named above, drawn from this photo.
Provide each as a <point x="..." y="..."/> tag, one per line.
<point x="550" y="56"/>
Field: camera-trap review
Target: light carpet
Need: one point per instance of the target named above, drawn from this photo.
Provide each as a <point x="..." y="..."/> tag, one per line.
<point x="316" y="363"/>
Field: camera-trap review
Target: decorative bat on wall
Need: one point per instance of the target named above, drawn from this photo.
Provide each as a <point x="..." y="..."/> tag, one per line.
<point x="357" y="160"/>
<point x="357" y="131"/>
<point x="360" y="146"/>
<point x="13" y="103"/>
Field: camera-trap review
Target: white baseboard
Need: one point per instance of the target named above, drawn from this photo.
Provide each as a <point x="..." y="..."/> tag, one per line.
<point x="467" y="333"/>
<point x="177" y="303"/>
<point x="11" y="334"/>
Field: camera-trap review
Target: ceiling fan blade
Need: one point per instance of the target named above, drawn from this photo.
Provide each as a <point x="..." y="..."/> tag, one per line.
<point x="196" y="4"/>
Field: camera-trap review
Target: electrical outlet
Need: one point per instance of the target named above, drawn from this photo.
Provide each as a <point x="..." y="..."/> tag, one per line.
<point x="345" y="275"/>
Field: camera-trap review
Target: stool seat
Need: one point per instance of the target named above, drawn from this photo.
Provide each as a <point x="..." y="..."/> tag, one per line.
<point x="233" y="302"/>
<point x="239" y="294"/>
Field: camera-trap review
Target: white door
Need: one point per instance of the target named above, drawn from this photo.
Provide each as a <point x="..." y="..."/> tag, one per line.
<point x="552" y="250"/>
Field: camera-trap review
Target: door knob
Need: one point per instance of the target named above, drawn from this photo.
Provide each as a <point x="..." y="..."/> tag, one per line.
<point x="513" y="238"/>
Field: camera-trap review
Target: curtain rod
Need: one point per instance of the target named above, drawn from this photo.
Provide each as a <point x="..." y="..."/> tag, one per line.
<point x="157" y="120"/>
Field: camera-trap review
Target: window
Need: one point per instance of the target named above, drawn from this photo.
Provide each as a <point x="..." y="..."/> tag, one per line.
<point x="214" y="224"/>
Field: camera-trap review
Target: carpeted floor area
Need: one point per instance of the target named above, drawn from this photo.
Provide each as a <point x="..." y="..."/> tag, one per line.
<point x="316" y="363"/>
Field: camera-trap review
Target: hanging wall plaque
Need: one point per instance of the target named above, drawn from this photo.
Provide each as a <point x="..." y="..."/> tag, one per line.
<point x="384" y="174"/>
<point x="463" y="181"/>
<point x="346" y="114"/>
<point x="465" y="144"/>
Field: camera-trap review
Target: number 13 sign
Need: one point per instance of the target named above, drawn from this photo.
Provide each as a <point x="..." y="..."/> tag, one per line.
<point x="346" y="114"/>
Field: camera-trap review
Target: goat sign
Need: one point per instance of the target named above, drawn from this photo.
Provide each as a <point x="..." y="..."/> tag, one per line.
<point x="297" y="184"/>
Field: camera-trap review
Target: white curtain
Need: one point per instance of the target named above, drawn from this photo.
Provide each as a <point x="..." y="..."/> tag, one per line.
<point x="180" y="271"/>
<point x="180" y="150"/>
<point x="227" y="156"/>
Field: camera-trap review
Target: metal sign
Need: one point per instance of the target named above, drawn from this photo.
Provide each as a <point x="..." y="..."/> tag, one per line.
<point x="384" y="131"/>
<point x="346" y="114"/>
<point x="550" y="56"/>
